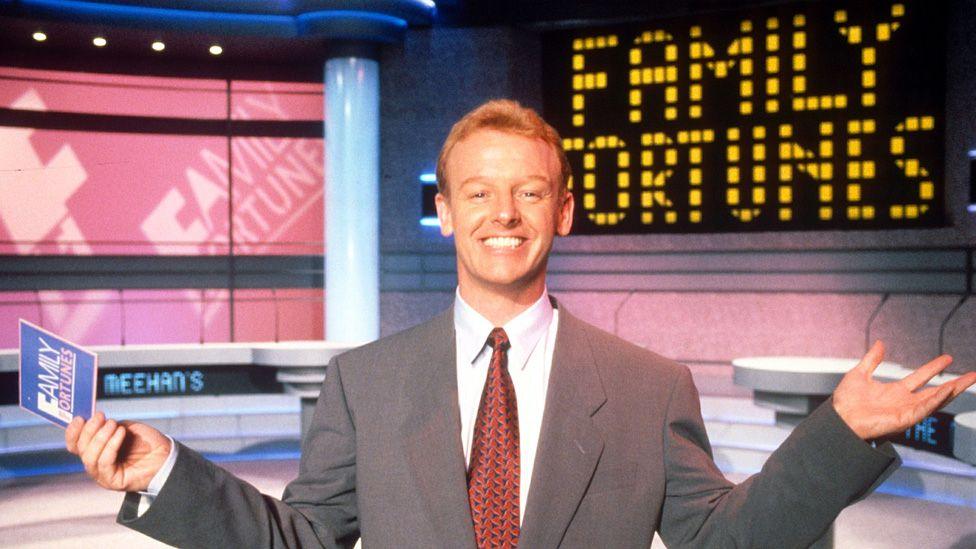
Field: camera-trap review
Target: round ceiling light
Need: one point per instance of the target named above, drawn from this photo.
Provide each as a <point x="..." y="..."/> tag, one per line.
<point x="158" y="46"/>
<point x="99" y="41"/>
<point x="39" y="36"/>
<point x="216" y="50"/>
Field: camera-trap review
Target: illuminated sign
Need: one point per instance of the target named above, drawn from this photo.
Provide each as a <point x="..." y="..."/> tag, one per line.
<point x="796" y="117"/>
<point x="934" y="434"/>
<point x="173" y="381"/>
<point x="141" y="383"/>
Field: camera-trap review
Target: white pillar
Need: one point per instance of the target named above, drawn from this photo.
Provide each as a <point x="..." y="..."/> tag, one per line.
<point x="352" y="143"/>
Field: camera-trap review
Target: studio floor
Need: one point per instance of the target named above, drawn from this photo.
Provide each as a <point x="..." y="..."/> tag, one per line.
<point x="69" y="511"/>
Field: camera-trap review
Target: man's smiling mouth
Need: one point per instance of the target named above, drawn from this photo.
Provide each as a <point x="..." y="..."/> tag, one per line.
<point x="503" y="242"/>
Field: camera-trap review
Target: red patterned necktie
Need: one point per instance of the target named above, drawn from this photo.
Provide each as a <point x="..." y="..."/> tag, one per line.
<point x="493" y="473"/>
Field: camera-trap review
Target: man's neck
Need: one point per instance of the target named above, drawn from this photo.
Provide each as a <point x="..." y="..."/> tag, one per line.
<point x="498" y="305"/>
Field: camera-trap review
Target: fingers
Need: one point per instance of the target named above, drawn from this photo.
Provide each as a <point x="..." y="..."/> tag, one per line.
<point x="871" y="359"/>
<point x="88" y="431"/>
<point x="924" y="373"/>
<point x="963" y="383"/>
<point x="933" y="399"/>
<point x="72" y="433"/>
<point x="105" y="464"/>
<point x="93" y="450"/>
<point x="960" y="384"/>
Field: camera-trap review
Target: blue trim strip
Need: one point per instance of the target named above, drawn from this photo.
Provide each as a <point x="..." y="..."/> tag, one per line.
<point x="352" y="25"/>
<point x="62" y="463"/>
<point x="166" y="19"/>
<point x="327" y="23"/>
<point x="41" y="470"/>
<point x="414" y="11"/>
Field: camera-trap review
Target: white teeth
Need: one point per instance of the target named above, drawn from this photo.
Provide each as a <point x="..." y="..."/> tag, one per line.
<point x="503" y="241"/>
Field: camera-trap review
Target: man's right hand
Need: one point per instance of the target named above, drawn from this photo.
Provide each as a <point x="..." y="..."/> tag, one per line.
<point x="118" y="456"/>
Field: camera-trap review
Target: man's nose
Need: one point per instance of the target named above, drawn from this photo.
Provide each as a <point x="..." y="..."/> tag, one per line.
<point x="506" y="210"/>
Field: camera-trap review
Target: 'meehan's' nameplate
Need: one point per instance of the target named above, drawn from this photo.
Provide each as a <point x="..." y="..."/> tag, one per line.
<point x="57" y="377"/>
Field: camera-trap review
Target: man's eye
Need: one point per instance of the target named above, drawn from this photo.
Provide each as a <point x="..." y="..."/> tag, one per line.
<point x="479" y="195"/>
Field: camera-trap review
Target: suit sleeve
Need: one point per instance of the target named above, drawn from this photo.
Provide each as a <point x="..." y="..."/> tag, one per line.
<point x="203" y="505"/>
<point x="817" y="471"/>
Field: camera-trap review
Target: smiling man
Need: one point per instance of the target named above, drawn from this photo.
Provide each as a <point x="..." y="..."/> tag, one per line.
<point x="506" y="421"/>
<point x="507" y="202"/>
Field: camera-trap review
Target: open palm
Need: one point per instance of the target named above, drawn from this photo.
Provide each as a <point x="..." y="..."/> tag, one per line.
<point x="873" y="409"/>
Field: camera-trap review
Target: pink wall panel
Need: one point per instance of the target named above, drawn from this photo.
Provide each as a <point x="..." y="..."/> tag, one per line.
<point x="78" y="92"/>
<point x="276" y="101"/>
<point x="721" y="326"/>
<point x="255" y="316"/>
<point x="300" y="314"/>
<point x="13" y="306"/>
<point x="111" y="317"/>
<point x="108" y="193"/>
<point x="278" y="196"/>
<point x="163" y="316"/>
<point x="89" y="317"/>
<point x="166" y="194"/>
<point x="276" y="86"/>
<point x="216" y="315"/>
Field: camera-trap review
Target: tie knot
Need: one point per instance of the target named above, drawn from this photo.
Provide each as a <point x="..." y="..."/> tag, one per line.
<point x="498" y="340"/>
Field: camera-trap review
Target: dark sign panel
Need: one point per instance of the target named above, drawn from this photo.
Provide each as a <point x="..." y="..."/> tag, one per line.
<point x="168" y="381"/>
<point x="172" y="381"/>
<point x="795" y="117"/>
<point x="933" y="433"/>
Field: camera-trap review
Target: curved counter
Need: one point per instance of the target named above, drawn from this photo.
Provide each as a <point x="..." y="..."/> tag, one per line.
<point x="793" y="386"/>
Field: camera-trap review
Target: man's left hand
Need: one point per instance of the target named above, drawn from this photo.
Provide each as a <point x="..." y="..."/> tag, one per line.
<point x="873" y="409"/>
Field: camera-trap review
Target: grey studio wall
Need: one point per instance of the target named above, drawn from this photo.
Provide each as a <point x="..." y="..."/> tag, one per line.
<point x="702" y="299"/>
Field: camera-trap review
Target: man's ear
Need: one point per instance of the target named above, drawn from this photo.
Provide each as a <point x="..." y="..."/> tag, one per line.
<point x="565" y="217"/>
<point x="444" y="214"/>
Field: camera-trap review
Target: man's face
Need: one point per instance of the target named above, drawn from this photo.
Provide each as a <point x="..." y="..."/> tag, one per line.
<point x="503" y="205"/>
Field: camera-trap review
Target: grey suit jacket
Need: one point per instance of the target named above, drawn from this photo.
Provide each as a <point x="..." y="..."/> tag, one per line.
<point x="622" y="453"/>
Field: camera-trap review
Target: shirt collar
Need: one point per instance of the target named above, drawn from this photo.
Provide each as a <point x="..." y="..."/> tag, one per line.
<point x="524" y="331"/>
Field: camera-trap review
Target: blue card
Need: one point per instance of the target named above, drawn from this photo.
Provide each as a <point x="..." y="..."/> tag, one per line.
<point x="57" y="377"/>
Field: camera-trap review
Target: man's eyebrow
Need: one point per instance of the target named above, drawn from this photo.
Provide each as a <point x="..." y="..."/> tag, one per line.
<point x="481" y="179"/>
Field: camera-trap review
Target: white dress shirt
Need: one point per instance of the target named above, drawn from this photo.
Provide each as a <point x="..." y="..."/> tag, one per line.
<point x="532" y="335"/>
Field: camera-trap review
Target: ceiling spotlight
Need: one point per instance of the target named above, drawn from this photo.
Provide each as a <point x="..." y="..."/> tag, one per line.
<point x="216" y="50"/>
<point x="99" y="41"/>
<point x="40" y="36"/>
<point x="158" y="46"/>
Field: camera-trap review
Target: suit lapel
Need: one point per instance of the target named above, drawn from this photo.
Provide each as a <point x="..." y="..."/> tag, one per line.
<point x="433" y="437"/>
<point x="570" y="445"/>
